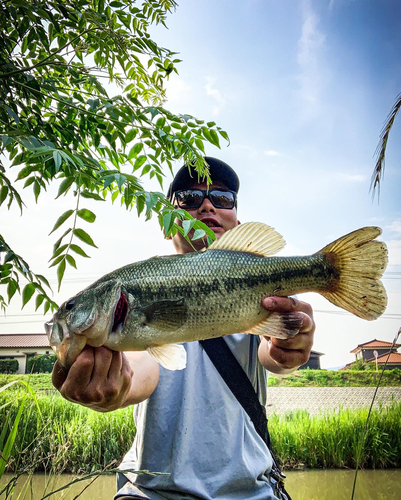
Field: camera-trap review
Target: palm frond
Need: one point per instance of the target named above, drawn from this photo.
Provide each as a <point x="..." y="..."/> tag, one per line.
<point x="380" y="152"/>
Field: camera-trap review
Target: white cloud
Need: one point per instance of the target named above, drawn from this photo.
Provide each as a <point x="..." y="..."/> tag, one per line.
<point x="395" y="226"/>
<point x="309" y="49"/>
<point x="394" y="252"/>
<point x="271" y="153"/>
<point x="341" y="176"/>
<point x="215" y="94"/>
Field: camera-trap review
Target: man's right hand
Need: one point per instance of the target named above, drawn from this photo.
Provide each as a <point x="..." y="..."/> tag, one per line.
<point x="106" y="380"/>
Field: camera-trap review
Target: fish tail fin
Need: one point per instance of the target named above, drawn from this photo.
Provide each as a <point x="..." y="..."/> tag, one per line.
<point x="360" y="261"/>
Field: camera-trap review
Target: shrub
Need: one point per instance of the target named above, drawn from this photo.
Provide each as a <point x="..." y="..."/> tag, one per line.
<point x="43" y="363"/>
<point x="8" y="365"/>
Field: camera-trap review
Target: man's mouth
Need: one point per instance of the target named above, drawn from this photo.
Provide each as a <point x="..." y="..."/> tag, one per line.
<point x="209" y="222"/>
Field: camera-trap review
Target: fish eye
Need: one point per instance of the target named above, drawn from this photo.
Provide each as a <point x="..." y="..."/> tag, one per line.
<point x="70" y="304"/>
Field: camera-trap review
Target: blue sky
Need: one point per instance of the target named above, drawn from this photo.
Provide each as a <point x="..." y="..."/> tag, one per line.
<point x="303" y="89"/>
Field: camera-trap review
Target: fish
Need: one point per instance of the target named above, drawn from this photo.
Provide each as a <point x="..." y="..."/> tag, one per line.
<point x="159" y="303"/>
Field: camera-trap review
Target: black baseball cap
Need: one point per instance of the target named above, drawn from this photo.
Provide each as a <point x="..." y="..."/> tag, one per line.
<point x="219" y="171"/>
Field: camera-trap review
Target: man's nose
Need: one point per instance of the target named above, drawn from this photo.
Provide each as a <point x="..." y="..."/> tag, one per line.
<point x="206" y="206"/>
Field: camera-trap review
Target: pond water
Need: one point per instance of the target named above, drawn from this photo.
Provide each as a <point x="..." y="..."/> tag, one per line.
<point x="302" y="485"/>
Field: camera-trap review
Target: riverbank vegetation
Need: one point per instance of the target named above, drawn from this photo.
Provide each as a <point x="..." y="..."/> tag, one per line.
<point x="58" y="436"/>
<point x="331" y="378"/>
<point x="301" y="378"/>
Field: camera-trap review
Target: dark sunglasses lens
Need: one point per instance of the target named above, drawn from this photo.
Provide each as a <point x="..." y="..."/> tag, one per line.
<point x="222" y="199"/>
<point x="189" y="198"/>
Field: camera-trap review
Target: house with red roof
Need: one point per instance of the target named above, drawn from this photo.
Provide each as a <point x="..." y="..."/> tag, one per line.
<point x="380" y="349"/>
<point x="21" y="346"/>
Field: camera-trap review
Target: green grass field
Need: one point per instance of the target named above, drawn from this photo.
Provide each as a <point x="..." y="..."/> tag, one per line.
<point x="58" y="436"/>
<point x="41" y="382"/>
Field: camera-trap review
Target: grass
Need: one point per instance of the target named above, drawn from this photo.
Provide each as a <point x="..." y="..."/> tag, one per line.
<point x="343" y="378"/>
<point x="41" y="382"/>
<point x="65" y="437"/>
<point x="333" y="439"/>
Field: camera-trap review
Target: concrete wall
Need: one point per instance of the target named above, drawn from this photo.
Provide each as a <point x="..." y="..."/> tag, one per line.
<point x="317" y="399"/>
<point x="20" y="354"/>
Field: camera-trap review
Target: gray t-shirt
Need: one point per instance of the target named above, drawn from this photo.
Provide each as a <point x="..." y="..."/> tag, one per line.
<point x="193" y="429"/>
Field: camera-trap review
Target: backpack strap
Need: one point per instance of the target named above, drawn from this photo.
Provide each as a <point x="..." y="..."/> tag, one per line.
<point x="238" y="382"/>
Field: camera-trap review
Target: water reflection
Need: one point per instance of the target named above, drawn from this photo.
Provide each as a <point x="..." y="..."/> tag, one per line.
<point x="337" y="484"/>
<point x="302" y="485"/>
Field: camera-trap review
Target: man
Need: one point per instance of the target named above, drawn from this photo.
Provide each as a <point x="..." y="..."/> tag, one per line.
<point x="189" y="424"/>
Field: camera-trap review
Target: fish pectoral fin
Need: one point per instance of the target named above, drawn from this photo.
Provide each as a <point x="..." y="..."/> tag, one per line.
<point x="168" y="314"/>
<point x="170" y="356"/>
<point x="279" y="325"/>
<point x="254" y="237"/>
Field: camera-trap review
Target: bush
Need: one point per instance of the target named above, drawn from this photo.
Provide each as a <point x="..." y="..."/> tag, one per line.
<point x="8" y="365"/>
<point x="43" y="363"/>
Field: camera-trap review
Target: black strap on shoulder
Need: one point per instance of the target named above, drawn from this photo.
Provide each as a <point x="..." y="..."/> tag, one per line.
<point x="238" y="382"/>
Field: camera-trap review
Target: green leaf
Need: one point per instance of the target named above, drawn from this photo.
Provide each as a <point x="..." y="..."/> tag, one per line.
<point x="187" y="225"/>
<point x="27" y="293"/>
<point x="60" y="273"/>
<point x="12" y="287"/>
<point x="199" y="233"/>
<point x="3" y="194"/>
<point x="78" y="250"/>
<point x="200" y="145"/>
<point x="64" y="186"/>
<point x="215" y="138"/>
<point x="86" y="215"/>
<point x="58" y="160"/>
<point x="89" y="194"/>
<point x="71" y="261"/>
<point x="39" y="300"/>
<point x="83" y="236"/>
<point x="130" y="135"/>
<point x="61" y="220"/>
<point x="139" y="162"/>
<point x="135" y="150"/>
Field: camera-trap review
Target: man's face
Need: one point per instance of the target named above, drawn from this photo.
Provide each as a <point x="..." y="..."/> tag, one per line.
<point x="219" y="220"/>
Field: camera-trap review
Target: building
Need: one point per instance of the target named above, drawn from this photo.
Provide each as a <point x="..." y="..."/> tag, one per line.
<point x="313" y="362"/>
<point x="380" y="348"/>
<point x="22" y="346"/>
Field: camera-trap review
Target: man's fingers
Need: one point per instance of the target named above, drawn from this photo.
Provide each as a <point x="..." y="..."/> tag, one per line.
<point x="58" y="375"/>
<point x="288" y="358"/>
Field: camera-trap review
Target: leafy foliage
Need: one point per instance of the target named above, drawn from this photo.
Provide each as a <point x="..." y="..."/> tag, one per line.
<point x="58" y="122"/>
<point x="378" y="172"/>
<point x="341" y="378"/>
<point x="42" y="363"/>
<point x="8" y="365"/>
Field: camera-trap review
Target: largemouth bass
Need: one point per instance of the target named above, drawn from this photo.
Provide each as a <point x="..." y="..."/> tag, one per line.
<point x="155" y="304"/>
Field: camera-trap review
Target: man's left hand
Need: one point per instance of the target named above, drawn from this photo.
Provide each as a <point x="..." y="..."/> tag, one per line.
<point x="285" y="356"/>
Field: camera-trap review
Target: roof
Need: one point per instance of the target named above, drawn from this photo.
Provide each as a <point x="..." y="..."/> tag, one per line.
<point x="395" y="358"/>
<point x="24" y="340"/>
<point x="316" y="354"/>
<point x="374" y="344"/>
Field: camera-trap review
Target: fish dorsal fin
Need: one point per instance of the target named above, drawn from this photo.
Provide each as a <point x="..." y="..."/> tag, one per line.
<point x="254" y="237"/>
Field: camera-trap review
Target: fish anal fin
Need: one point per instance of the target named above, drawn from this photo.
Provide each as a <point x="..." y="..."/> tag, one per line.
<point x="168" y="314"/>
<point x="170" y="356"/>
<point x="278" y="325"/>
<point x="254" y="237"/>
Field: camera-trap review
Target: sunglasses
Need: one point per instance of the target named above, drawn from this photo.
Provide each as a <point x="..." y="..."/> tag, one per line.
<point x="193" y="198"/>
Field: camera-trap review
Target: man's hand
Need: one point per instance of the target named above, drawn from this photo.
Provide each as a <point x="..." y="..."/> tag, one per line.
<point x="285" y="356"/>
<point x="104" y="380"/>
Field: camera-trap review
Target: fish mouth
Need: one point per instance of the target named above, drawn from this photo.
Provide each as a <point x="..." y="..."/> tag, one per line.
<point x="120" y="314"/>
